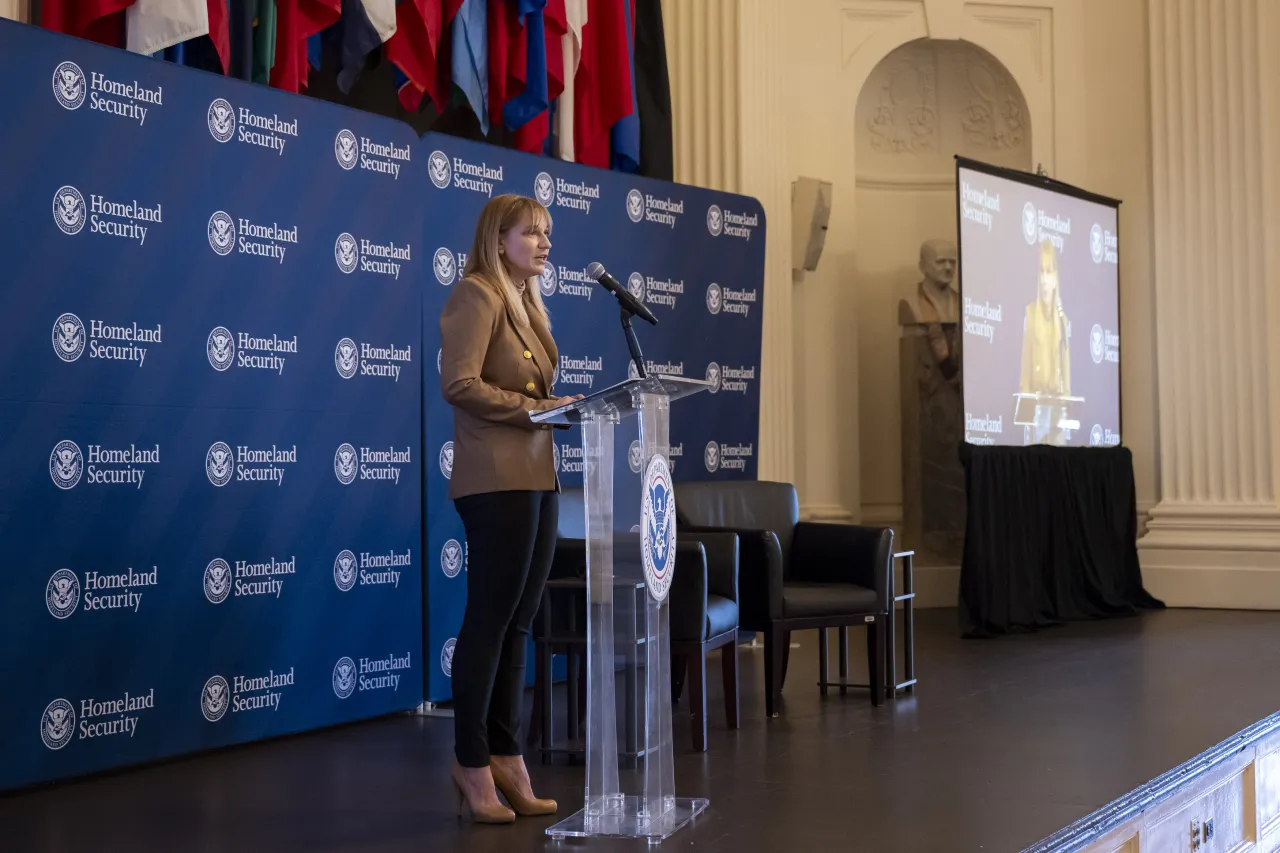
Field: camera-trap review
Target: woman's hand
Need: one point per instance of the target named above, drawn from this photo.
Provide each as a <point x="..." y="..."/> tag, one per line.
<point x="564" y="401"/>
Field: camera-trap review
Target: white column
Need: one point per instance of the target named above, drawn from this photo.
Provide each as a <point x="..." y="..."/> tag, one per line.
<point x="17" y="10"/>
<point x="727" y="83"/>
<point x="1214" y="537"/>
<point x="763" y="169"/>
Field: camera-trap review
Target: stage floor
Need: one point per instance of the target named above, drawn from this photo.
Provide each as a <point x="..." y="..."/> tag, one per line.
<point x="1005" y="742"/>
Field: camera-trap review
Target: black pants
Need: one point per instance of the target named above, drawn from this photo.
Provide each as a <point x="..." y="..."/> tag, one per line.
<point x="511" y="538"/>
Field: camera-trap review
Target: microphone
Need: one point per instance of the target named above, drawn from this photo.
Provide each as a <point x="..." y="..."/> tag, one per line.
<point x="624" y="296"/>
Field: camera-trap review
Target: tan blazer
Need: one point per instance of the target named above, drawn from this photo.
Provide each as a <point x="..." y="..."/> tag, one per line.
<point x="494" y="372"/>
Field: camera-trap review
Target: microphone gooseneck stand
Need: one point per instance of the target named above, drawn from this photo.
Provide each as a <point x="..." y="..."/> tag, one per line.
<point x="633" y="344"/>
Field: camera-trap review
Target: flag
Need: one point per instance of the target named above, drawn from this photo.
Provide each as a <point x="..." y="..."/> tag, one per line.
<point x="102" y="21"/>
<point x="624" y="136"/>
<point x="504" y="32"/>
<point x="470" y="60"/>
<point x="153" y="25"/>
<point x="264" y="41"/>
<point x="296" y="22"/>
<point x="653" y="92"/>
<point x="602" y="86"/>
<point x="534" y="134"/>
<point x="240" y="39"/>
<point x="220" y="32"/>
<point x="532" y="99"/>
<point x="571" y="50"/>
<point x="366" y="25"/>
<point x="420" y="51"/>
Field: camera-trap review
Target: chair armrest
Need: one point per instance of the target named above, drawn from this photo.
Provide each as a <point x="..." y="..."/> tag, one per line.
<point x="844" y="553"/>
<point x="722" y="563"/>
<point x="688" y="594"/>
<point x="759" y="574"/>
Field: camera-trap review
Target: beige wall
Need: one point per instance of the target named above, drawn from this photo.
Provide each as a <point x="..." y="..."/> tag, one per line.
<point x="1081" y="66"/>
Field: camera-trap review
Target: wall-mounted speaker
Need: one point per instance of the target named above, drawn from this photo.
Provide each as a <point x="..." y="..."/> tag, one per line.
<point x="810" y="210"/>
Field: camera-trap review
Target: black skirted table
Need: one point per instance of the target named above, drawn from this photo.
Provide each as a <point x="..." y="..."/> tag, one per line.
<point x="1050" y="537"/>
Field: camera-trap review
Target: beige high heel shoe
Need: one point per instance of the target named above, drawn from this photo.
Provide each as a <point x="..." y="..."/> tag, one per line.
<point x="480" y="814"/>
<point x="524" y="806"/>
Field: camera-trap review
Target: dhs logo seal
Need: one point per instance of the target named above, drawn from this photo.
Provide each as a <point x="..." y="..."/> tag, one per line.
<point x="1095" y="436"/>
<point x="217" y="581"/>
<point x="344" y="464"/>
<point x="446" y="460"/>
<point x="544" y="189"/>
<point x="346" y="253"/>
<point x="344" y="678"/>
<point x="445" y="266"/>
<point x="635" y="206"/>
<point x="346" y="150"/>
<point x="438" y="169"/>
<point x="344" y="571"/>
<point x="1096" y="249"/>
<point x="68" y="210"/>
<point x="346" y="358"/>
<point x="547" y="281"/>
<point x="446" y="656"/>
<point x="221" y="348"/>
<point x="715" y="298"/>
<point x="68" y="337"/>
<point x="635" y="456"/>
<point x="222" y="233"/>
<point x="66" y="464"/>
<point x="222" y="120"/>
<point x="711" y="457"/>
<point x="58" y="724"/>
<point x="635" y="284"/>
<point x="69" y="86"/>
<point x="713" y="376"/>
<point x="1097" y="344"/>
<point x="658" y="528"/>
<point x="62" y="593"/>
<point x="451" y="558"/>
<point x="219" y="464"/>
<point x="1029" y="223"/>
<point x="715" y="220"/>
<point x="215" y="698"/>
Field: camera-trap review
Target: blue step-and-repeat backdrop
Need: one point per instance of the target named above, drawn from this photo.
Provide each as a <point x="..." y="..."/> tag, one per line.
<point x="696" y="257"/>
<point x="210" y="410"/>
<point x="224" y="446"/>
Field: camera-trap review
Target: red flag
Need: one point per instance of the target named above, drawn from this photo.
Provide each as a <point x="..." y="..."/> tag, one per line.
<point x="602" y="86"/>
<point x="532" y="135"/>
<point x="420" y="49"/>
<point x="506" y="36"/>
<point x="96" y="20"/>
<point x="297" y="21"/>
<point x="220" y="32"/>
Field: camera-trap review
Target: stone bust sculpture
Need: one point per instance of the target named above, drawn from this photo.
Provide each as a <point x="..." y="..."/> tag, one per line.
<point x="936" y="300"/>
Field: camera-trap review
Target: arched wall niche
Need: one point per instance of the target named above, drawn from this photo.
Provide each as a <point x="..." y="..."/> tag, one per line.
<point x="923" y="103"/>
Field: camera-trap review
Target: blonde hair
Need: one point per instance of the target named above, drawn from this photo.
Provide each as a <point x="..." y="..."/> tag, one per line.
<point x="1047" y="253"/>
<point x="484" y="264"/>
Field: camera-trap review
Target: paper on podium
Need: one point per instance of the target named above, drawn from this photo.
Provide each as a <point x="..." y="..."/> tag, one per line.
<point x="621" y="398"/>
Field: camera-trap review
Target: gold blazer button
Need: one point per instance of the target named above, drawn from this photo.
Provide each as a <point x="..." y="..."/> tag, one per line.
<point x="528" y="386"/>
<point x="528" y="354"/>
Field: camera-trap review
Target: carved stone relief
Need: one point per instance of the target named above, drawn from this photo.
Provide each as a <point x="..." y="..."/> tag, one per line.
<point x="929" y="100"/>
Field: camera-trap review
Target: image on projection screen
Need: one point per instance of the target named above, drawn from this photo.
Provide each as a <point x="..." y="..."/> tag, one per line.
<point x="1039" y="286"/>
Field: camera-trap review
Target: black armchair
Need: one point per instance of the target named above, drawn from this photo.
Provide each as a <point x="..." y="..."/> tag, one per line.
<point x="795" y="575"/>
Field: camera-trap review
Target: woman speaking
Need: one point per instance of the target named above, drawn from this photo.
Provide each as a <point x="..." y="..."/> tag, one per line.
<point x="496" y="366"/>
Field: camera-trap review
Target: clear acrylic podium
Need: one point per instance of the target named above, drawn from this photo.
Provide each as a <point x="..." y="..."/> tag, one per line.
<point x="628" y="643"/>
